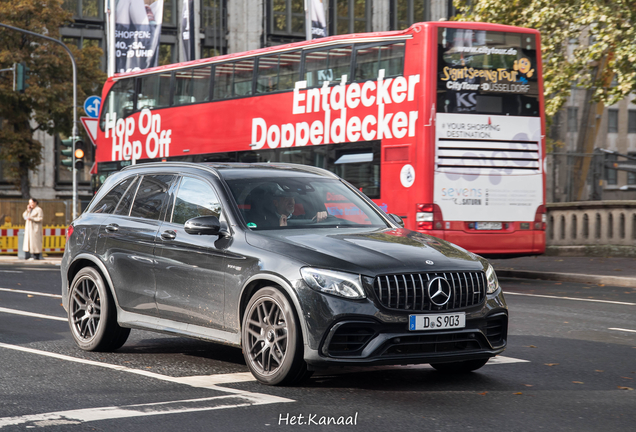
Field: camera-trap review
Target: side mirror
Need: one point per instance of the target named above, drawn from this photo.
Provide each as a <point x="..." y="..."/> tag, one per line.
<point x="203" y="225"/>
<point x="395" y="218"/>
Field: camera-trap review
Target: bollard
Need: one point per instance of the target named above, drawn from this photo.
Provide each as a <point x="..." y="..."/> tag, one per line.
<point x="21" y="253"/>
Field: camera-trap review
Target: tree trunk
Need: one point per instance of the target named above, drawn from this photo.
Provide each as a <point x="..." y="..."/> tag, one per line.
<point x="25" y="186"/>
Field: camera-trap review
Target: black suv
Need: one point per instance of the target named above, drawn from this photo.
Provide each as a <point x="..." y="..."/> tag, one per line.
<point x="289" y="262"/>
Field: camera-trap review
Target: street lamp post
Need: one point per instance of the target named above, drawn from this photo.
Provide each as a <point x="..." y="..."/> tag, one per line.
<point x="74" y="103"/>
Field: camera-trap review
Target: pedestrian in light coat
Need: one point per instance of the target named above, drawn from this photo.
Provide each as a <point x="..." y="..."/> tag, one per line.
<point x="33" y="216"/>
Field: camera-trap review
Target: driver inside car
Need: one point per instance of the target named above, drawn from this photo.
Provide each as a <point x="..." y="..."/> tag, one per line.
<point x="282" y="209"/>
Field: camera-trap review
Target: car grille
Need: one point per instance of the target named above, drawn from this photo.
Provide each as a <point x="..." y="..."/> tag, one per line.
<point x="409" y="292"/>
<point x="434" y="344"/>
<point x="496" y="330"/>
<point x="350" y="339"/>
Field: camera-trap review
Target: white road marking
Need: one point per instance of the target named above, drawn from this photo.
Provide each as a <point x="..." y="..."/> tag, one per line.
<point x="35" y="293"/>
<point x="31" y="314"/>
<point x="571" y="298"/>
<point x="140" y="410"/>
<point x="624" y="330"/>
<point x="10" y="271"/>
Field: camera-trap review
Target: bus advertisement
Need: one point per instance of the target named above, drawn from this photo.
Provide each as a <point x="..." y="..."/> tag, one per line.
<point x="441" y="124"/>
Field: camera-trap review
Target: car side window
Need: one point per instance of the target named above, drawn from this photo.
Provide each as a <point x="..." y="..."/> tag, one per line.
<point x="123" y="208"/>
<point x="195" y="198"/>
<point x="151" y="194"/>
<point x="108" y="203"/>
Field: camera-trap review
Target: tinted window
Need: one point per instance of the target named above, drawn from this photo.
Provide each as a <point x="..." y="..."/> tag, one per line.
<point x="125" y="203"/>
<point x="154" y="91"/>
<point x="327" y="65"/>
<point x="120" y="100"/>
<point x="108" y="203"/>
<point x="485" y="72"/>
<point x="195" y="198"/>
<point x="369" y="60"/>
<point x="243" y="73"/>
<point x="192" y="85"/>
<point x="278" y="72"/>
<point x="151" y="195"/>
<point x="223" y="81"/>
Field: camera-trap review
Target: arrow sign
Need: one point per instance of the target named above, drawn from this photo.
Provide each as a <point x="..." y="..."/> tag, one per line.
<point x="90" y="124"/>
<point x="91" y="106"/>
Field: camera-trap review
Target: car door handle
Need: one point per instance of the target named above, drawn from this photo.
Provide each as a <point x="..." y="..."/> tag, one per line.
<point x="168" y="235"/>
<point x="112" y="228"/>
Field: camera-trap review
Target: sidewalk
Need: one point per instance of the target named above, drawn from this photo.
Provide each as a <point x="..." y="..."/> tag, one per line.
<point x="54" y="260"/>
<point x="608" y="271"/>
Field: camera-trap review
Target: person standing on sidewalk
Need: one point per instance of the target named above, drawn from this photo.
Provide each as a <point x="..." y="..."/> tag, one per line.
<point x="33" y="216"/>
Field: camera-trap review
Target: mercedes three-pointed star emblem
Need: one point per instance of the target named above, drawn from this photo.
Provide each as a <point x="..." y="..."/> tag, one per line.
<point x="439" y="291"/>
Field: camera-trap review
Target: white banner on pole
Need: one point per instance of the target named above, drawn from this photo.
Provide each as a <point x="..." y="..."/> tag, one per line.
<point x="137" y="32"/>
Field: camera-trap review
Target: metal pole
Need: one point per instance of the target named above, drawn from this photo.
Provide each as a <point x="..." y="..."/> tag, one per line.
<point x="74" y="103"/>
<point x="109" y="8"/>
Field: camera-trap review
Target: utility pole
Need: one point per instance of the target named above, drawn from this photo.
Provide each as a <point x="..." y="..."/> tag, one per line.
<point x="75" y="137"/>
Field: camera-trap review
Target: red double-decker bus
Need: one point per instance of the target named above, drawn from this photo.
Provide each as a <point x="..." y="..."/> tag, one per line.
<point x="441" y="124"/>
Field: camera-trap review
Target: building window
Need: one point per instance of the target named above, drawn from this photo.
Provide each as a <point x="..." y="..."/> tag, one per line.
<point x="170" y="13"/>
<point x="214" y="26"/>
<point x="631" y="176"/>
<point x="287" y="17"/>
<point x="405" y="13"/>
<point x="610" y="173"/>
<point x="612" y="121"/>
<point x="85" y="9"/>
<point x="631" y="121"/>
<point x="350" y="16"/>
<point x="166" y="54"/>
<point x="573" y="115"/>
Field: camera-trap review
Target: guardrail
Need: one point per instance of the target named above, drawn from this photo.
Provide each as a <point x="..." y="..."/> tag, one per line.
<point x="53" y="241"/>
<point x="591" y="223"/>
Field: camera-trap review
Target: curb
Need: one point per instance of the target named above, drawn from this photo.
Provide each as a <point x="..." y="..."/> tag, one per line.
<point x="569" y="277"/>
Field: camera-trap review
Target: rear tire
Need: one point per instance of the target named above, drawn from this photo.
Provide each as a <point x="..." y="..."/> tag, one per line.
<point x="460" y="367"/>
<point x="92" y="315"/>
<point x="272" y="339"/>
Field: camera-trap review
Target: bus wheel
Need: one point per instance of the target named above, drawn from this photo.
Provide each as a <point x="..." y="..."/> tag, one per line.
<point x="92" y="315"/>
<point x="272" y="340"/>
<point x="460" y="367"/>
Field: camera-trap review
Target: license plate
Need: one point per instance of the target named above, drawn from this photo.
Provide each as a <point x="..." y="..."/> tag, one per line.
<point x="488" y="225"/>
<point x="437" y="321"/>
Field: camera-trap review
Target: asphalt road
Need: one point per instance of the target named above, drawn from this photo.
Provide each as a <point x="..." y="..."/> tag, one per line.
<point x="570" y="366"/>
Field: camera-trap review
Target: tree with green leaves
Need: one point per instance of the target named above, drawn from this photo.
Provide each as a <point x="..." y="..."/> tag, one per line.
<point x="585" y="43"/>
<point x="46" y="104"/>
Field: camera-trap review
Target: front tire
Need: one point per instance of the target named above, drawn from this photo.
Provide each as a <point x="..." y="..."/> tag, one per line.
<point x="92" y="315"/>
<point x="272" y="340"/>
<point x="460" y="367"/>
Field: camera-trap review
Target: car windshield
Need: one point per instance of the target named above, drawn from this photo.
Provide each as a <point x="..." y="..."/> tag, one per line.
<point x="301" y="202"/>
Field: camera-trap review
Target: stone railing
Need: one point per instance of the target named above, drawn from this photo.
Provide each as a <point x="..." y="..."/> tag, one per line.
<point x="592" y="223"/>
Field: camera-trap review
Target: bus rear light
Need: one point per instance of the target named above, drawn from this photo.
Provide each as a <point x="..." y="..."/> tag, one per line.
<point x="540" y="218"/>
<point x="428" y="217"/>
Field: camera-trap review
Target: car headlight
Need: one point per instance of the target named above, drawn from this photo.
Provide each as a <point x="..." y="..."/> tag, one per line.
<point x="491" y="278"/>
<point x="332" y="282"/>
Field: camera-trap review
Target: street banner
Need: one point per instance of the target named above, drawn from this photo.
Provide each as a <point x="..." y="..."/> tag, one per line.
<point x="137" y="31"/>
<point x="318" y="21"/>
<point x="187" y="29"/>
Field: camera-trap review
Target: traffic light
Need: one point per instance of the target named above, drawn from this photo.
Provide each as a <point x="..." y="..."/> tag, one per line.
<point x="79" y="155"/>
<point x="68" y="152"/>
<point x="22" y="74"/>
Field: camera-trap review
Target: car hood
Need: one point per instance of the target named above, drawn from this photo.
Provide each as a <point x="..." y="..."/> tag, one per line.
<point x="370" y="252"/>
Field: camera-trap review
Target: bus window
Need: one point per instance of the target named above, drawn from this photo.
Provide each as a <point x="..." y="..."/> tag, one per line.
<point x="223" y="81"/>
<point x="267" y="80"/>
<point x="289" y="70"/>
<point x="369" y="60"/>
<point x="327" y="65"/>
<point x="392" y="59"/>
<point x="120" y="100"/>
<point x="243" y="73"/>
<point x="192" y="85"/>
<point x="154" y="91"/>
